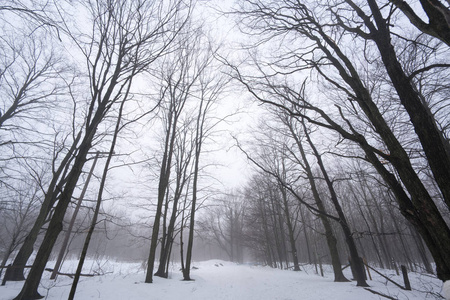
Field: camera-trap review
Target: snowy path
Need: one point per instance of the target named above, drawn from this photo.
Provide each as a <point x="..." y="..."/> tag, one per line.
<point x="218" y="280"/>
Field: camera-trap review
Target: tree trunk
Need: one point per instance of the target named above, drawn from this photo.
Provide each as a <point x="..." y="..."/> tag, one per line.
<point x="30" y="288"/>
<point x="356" y="260"/>
<point x="330" y="238"/>
<point x="167" y="242"/>
<point x="99" y="196"/>
<point x="16" y="272"/>
<point x="424" y="124"/>
<point x="290" y="229"/>
<point x="162" y="187"/>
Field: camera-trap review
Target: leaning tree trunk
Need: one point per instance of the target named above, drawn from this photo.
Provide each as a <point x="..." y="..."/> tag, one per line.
<point x="99" y="199"/>
<point x="15" y="273"/>
<point x="329" y="235"/>
<point x="421" y="118"/>
<point x="356" y="260"/>
<point x="30" y="288"/>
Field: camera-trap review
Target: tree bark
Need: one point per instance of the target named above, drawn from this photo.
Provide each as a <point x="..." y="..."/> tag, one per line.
<point x="424" y="125"/>
<point x="99" y="197"/>
<point x="56" y="185"/>
<point x="330" y="238"/>
<point x="329" y="235"/>
<point x="30" y="288"/>
<point x="356" y="260"/>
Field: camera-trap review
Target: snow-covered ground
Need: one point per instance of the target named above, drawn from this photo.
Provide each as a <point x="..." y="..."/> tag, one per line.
<point x="216" y="279"/>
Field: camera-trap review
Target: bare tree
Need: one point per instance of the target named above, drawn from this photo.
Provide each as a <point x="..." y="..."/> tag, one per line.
<point x="116" y="132"/>
<point x="438" y="14"/>
<point x="431" y="139"/>
<point x="224" y="224"/>
<point x="324" y="51"/>
<point x="16" y="218"/>
<point x="178" y="193"/>
<point x="289" y="182"/>
<point x="189" y="90"/>
<point x="211" y="86"/>
<point x="127" y="37"/>
<point x="179" y="78"/>
<point x="35" y="83"/>
<point x="356" y="260"/>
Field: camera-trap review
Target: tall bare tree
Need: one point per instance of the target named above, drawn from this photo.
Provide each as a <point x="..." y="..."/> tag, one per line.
<point x="35" y="92"/>
<point x="324" y="50"/>
<point x="126" y="37"/>
<point x="297" y="153"/>
<point x="180" y="74"/>
<point x="210" y="90"/>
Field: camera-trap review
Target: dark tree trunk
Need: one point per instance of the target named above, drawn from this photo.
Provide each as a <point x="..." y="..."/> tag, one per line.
<point x="30" y="288"/>
<point x="16" y="272"/>
<point x="423" y="121"/>
<point x="187" y="268"/>
<point x="329" y="235"/>
<point x="290" y="227"/>
<point x="198" y="149"/>
<point x="99" y="197"/>
<point x="162" y="187"/>
<point x="164" y="240"/>
<point x="167" y="242"/>
<point x="356" y="260"/>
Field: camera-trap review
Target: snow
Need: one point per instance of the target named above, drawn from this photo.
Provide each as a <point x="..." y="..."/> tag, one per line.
<point x="215" y="279"/>
<point x="446" y="290"/>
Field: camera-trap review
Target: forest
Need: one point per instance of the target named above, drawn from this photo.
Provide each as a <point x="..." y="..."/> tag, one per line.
<point x="277" y="133"/>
